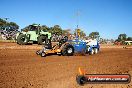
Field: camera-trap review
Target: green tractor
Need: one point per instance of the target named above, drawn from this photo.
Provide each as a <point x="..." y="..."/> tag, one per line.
<point x="33" y="34"/>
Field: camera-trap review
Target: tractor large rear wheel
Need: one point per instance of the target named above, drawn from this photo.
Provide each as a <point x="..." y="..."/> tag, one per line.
<point x="22" y="39"/>
<point x="68" y="50"/>
<point x="91" y="52"/>
<point x="42" y="40"/>
<point x="95" y="50"/>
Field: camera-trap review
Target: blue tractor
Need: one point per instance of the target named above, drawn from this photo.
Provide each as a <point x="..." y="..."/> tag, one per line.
<point x="67" y="47"/>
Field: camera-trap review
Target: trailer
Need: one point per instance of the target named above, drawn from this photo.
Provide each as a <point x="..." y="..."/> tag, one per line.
<point x="93" y="46"/>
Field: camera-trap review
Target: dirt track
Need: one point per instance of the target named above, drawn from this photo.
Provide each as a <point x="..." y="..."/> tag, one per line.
<point x="22" y="68"/>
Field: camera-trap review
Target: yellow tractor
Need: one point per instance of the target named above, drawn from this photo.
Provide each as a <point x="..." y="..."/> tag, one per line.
<point x="62" y="48"/>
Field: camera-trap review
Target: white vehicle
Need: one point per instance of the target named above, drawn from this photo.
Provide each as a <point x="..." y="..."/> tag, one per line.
<point x="92" y="46"/>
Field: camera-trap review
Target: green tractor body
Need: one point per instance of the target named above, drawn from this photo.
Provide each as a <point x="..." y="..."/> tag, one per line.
<point x="34" y="34"/>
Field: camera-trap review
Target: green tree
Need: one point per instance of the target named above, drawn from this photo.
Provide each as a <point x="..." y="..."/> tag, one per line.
<point x="94" y="35"/>
<point x="122" y="37"/>
<point x="10" y="25"/>
<point x="129" y="38"/>
<point x="14" y="25"/>
<point x="82" y="34"/>
<point x="9" y="29"/>
<point x="45" y="28"/>
<point x="66" y="32"/>
<point x="2" y="22"/>
<point x="56" y="30"/>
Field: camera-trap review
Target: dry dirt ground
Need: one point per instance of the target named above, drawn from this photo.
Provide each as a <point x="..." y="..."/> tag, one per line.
<point x="20" y="67"/>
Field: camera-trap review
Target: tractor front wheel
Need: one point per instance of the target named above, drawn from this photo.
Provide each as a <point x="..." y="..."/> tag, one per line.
<point x="43" y="54"/>
<point x="68" y="50"/>
<point x="38" y="52"/>
<point x="22" y="39"/>
<point x="42" y="40"/>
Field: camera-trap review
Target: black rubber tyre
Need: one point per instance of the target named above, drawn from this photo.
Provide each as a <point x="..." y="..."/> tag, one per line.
<point x="59" y="54"/>
<point x="91" y="52"/>
<point x="22" y="39"/>
<point x="42" y="40"/>
<point x="68" y="50"/>
<point x="80" y="80"/>
<point x="87" y="49"/>
<point x="43" y="54"/>
<point x="95" y="50"/>
<point x="37" y="52"/>
<point x="49" y="41"/>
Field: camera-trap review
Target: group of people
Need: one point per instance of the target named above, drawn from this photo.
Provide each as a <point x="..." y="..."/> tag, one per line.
<point x="56" y="38"/>
<point x="8" y="33"/>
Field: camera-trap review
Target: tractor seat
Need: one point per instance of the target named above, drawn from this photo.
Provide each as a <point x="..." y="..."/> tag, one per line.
<point x="48" y="46"/>
<point x="62" y="41"/>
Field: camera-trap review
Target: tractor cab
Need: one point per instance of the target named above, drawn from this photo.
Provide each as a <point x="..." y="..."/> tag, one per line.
<point x="35" y="28"/>
<point x="32" y="27"/>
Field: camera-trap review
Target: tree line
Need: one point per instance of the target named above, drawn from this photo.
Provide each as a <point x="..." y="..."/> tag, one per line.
<point x="122" y="38"/>
<point x="57" y="30"/>
<point x="9" y="30"/>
